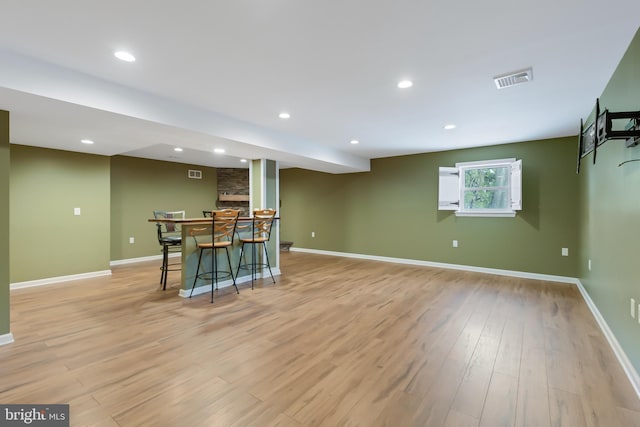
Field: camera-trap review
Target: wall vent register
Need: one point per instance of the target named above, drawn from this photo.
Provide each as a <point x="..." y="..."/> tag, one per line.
<point x="513" y="79"/>
<point x="195" y="174"/>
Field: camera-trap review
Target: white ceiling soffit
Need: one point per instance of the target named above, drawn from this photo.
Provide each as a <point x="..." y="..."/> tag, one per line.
<point x="212" y="73"/>
<point x="145" y="125"/>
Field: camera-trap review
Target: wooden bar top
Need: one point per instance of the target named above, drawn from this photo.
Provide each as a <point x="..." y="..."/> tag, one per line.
<point x="196" y="220"/>
<point x="192" y="220"/>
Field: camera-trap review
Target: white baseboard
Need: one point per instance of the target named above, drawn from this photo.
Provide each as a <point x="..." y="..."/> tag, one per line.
<point x="624" y="361"/>
<point x="51" y="280"/>
<point x="142" y="259"/>
<point x="499" y="272"/>
<point x="628" y="367"/>
<point x="225" y="284"/>
<point x="6" y="339"/>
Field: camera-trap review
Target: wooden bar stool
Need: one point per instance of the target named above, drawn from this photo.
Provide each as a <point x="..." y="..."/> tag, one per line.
<point x="223" y="228"/>
<point x="260" y="233"/>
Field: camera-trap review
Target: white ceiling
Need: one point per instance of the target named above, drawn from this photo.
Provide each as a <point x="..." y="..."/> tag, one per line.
<point x="213" y="73"/>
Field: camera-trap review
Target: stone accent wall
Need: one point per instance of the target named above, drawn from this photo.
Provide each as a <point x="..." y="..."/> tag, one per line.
<point x="233" y="181"/>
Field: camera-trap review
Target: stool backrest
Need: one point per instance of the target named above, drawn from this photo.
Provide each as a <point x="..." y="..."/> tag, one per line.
<point x="262" y="223"/>
<point x="224" y="224"/>
<point x="168" y="227"/>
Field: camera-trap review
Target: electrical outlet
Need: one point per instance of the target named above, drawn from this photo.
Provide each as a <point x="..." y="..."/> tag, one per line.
<point x="132" y="240"/>
<point x="589" y="265"/>
<point x="313" y="234"/>
<point x="565" y="251"/>
<point x="633" y="308"/>
<point x="76" y="211"/>
<point x="455" y="243"/>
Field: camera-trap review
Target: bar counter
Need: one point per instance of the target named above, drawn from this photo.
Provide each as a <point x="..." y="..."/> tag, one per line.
<point x="190" y="253"/>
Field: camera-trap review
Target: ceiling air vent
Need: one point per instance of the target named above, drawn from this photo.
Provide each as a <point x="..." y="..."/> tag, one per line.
<point x="513" y="79"/>
<point x="195" y="174"/>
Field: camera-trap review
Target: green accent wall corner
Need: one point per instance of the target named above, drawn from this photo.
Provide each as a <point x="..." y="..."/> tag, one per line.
<point x="4" y="222"/>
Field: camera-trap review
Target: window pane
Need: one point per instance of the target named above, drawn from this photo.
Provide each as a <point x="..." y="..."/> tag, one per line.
<point x="486" y="177"/>
<point x="486" y="188"/>
<point x="502" y="176"/>
<point x="486" y="199"/>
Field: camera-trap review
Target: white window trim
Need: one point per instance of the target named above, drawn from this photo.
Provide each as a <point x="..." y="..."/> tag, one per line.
<point x="450" y="188"/>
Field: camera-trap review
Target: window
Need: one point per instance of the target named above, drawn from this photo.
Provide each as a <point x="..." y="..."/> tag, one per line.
<point x="486" y="188"/>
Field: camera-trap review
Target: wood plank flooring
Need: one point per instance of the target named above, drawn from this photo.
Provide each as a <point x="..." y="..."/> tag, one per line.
<point x="336" y="342"/>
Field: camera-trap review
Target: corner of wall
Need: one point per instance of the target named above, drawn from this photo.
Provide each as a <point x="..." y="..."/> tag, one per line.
<point x="4" y="224"/>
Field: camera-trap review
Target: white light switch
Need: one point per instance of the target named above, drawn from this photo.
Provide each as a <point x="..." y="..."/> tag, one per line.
<point x="76" y="211"/>
<point x="565" y="251"/>
<point x="132" y="240"/>
<point x="455" y="243"/>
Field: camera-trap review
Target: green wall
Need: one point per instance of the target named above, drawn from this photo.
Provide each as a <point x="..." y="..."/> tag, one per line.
<point x="611" y="214"/>
<point x="116" y="197"/>
<point x="140" y="186"/>
<point x="271" y="202"/>
<point x="392" y="211"/>
<point x="4" y="222"/>
<point x="47" y="239"/>
<point x="271" y="177"/>
<point x="255" y="184"/>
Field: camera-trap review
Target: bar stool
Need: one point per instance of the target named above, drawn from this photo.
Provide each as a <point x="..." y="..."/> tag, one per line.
<point x="170" y="239"/>
<point x="261" y="224"/>
<point x="223" y="228"/>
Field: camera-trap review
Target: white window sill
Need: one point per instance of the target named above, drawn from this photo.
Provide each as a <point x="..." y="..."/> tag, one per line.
<point x="509" y="214"/>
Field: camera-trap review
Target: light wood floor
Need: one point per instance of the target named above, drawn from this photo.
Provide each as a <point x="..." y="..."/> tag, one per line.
<point x="335" y="342"/>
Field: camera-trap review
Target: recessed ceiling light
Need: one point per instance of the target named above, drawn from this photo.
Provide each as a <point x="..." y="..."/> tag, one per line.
<point x="243" y="160"/>
<point x="124" y="56"/>
<point x="354" y="141"/>
<point x="404" y="84"/>
<point x="284" y="115"/>
<point x="178" y="149"/>
<point x="86" y="141"/>
<point x="218" y="150"/>
<point x="450" y="126"/>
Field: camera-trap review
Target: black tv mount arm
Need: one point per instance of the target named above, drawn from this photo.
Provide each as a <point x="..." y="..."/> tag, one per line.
<point x="601" y="130"/>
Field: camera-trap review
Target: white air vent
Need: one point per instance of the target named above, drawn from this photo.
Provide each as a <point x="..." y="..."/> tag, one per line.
<point x="195" y="174"/>
<point x="513" y="79"/>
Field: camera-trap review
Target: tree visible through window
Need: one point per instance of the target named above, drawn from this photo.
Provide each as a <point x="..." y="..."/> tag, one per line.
<point x="486" y="188"/>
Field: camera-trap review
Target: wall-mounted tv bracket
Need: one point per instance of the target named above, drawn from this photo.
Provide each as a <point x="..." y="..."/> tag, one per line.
<point x="602" y="130"/>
